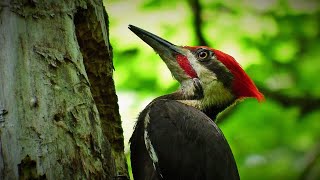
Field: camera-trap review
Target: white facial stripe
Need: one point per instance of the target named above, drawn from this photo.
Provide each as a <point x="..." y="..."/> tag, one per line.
<point x="214" y="91"/>
<point x="204" y="74"/>
<point x="187" y="88"/>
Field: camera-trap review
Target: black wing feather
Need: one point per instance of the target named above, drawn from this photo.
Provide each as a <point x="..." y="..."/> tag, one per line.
<point x="188" y="143"/>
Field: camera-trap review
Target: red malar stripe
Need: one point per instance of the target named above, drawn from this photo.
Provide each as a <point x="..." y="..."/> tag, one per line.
<point x="186" y="66"/>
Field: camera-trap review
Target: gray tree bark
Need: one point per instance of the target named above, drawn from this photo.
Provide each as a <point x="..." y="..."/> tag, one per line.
<point x="59" y="116"/>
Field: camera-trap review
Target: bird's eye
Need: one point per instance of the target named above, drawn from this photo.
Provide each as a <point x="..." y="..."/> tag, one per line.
<point x="204" y="55"/>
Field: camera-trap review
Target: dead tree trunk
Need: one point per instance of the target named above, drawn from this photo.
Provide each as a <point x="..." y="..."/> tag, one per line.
<point x="59" y="116"/>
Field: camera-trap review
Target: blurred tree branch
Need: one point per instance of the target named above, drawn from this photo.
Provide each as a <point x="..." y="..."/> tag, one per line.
<point x="310" y="159"/>
<point x="197" y="21"/>
<point x="306" y="103"/>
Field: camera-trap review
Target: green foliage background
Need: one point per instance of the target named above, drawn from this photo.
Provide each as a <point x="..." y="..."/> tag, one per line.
<point x="278" y="44"/>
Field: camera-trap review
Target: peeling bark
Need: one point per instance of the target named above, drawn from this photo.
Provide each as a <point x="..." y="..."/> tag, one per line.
<point x="59" y="116"/>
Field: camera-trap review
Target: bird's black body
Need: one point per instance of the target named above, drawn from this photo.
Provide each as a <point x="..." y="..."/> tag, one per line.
<point x="188" y="145"/>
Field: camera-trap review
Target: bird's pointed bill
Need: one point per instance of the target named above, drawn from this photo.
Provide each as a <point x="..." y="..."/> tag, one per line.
<point x="157" y="43"/>
<point x="174" y="56"/>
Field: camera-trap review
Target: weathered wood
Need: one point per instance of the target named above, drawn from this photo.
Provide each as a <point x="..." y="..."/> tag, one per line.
<point x="52" y="88"/>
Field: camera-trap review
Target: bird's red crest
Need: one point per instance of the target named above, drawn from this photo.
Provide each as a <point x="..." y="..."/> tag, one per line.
<point x="242" y="86"/>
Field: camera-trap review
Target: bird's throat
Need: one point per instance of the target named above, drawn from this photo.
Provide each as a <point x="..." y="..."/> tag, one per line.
<point x="210" y="98"/>
<point x="211" y="110"/>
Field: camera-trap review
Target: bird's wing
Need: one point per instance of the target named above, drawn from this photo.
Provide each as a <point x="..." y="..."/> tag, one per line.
<point x="142" y="166"/>
<point x="184" y="143"/>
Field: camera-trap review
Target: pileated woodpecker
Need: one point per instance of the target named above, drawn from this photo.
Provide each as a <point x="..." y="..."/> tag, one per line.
<point x="175" y="136"/>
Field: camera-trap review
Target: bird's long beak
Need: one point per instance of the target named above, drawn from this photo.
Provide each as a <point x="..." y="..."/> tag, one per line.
<point x="167" y="51"/>
<point x="157" y="43"/>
